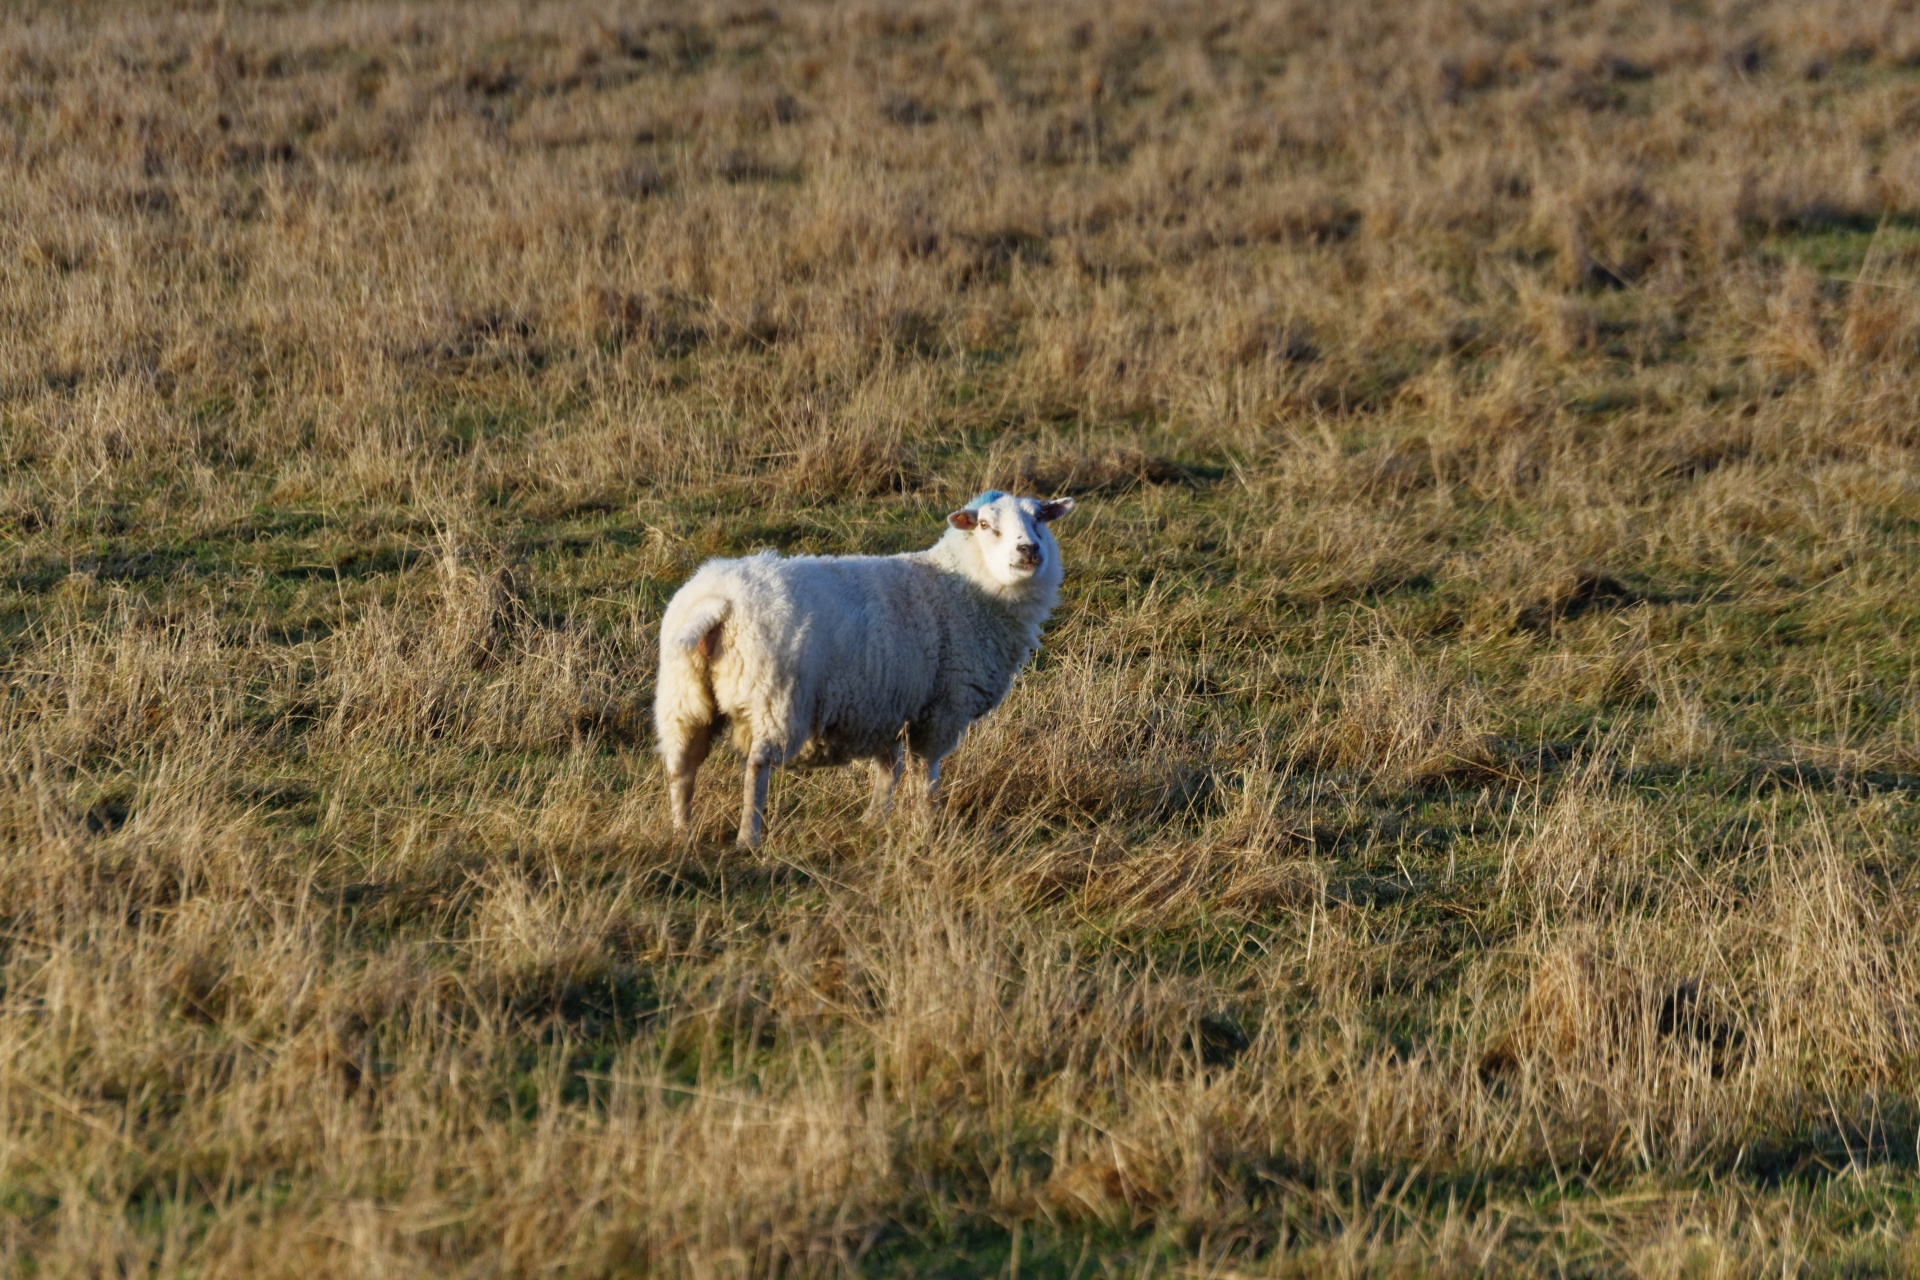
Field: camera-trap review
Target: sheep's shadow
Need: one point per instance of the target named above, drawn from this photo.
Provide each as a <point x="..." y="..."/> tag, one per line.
<point x="717" y="868"/>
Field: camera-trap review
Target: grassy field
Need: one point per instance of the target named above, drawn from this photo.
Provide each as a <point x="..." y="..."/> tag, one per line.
<point x="1463" y="817"/>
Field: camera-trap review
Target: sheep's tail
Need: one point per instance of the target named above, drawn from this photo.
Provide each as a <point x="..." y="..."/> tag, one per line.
<point x="689" y="642"/>
<point x="698" y="633"/>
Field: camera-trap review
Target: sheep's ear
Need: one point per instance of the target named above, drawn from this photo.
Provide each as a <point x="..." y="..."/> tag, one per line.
<point x="963" y="519"/>
<point x="1051" y="511"/>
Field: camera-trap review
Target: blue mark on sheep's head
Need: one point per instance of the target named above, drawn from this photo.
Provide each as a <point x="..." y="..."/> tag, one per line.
<point x="991" y="495"/>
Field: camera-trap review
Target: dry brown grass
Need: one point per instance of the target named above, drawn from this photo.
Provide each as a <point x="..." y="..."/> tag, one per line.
<point x="1462" y="819"/>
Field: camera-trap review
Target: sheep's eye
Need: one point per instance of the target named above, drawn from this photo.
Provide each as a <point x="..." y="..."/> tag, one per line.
<point x="985" y="527"/>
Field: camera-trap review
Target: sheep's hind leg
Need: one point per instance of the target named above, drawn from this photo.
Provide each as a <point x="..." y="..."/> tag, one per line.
<point x="683" y="763"/>
<point x="753" y="804"/>
<point x="886" y="776"/>
<point x="934" y="794"/>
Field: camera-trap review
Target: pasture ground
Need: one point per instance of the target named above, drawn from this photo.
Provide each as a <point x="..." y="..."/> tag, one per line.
<point x="1463" y="817"/>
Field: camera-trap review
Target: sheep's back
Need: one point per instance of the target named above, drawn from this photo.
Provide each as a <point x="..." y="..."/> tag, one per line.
<point x="831" y="653"/>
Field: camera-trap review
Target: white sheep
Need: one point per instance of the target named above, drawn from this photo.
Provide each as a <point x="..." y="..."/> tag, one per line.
<point x="820" y="660"/>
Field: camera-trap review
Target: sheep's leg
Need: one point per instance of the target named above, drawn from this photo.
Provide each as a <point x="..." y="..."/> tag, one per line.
<point x="886" y="776"/>
<point x="753" y="804"/>
<point x="934" y="794"/>
<point x="931" y="741"/>
<point x="683" y="764"/>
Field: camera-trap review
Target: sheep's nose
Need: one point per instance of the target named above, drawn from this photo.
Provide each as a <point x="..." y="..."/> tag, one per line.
<point x="1029" y="553"/>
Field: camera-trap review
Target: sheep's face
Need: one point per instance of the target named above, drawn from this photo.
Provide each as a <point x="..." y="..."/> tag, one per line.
<point x="1012" y="537"/>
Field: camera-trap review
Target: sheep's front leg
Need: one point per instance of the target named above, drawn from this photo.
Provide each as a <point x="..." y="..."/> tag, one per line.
<point x="753" y="804"/>
<point x="930" y="744"/>
<point x="683" y="766"/>
<point x="886" y="776"/>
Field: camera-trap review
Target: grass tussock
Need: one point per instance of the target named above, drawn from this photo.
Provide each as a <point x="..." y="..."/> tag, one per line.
<point x="1461" y="819"/>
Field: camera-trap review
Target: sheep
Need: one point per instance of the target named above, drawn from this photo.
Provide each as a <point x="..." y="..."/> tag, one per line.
<point x="825" y="660"/>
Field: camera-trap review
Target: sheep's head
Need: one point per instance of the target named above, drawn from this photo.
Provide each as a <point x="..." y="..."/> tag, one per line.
<point x="1012" y="537"/>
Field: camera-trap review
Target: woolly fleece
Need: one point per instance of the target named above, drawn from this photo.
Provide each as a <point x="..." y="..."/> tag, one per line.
<point x="820" y="660"/>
